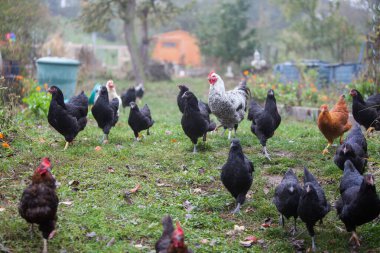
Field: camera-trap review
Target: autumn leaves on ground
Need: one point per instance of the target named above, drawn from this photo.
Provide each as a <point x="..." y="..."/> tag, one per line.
<point x="113" y="197"/>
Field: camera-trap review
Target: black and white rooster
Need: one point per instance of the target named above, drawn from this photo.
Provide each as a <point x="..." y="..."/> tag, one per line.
<point x="228" y="106"/>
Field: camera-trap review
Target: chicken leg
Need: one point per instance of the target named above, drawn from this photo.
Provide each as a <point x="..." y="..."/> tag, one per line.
<point x="45" y="246"/>
<point x="195" y="149"/>
<point x="282" y="222"/>
<point x="237" y="209"/>
<point x="104" y="139"/>
<point x="355" y="238"/>
<point x="67" y="144"/>
<point x="229" y="134"/>
<point x="313" y="247"/>
<point x="266" y="154"/>
<point x="369" y="131"/>
<point x="326" y="150"/>
<point x="295" y="227"/>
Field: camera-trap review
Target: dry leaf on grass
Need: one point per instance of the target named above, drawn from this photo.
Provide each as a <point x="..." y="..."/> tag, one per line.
<point x="98" y="148"/>
<point x="66" y="203"/>
<point x="110" y="170"/>
<point x="137" y="187"/>
<point x="248" y="241"/>
<point x="91" y="235"/>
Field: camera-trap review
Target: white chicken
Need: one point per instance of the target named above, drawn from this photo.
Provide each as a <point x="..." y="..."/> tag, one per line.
<point x="111" y="88"/>
<point x="228" y="106"/>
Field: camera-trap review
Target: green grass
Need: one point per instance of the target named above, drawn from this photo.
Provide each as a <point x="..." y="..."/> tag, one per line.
<point x="169" y="174"/>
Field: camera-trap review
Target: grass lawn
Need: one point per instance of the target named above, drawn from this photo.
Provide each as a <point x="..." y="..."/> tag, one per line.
<point x="93" y="185"/>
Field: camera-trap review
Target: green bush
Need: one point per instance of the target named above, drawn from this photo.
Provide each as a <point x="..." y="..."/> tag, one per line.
<point x="38" y="102"/>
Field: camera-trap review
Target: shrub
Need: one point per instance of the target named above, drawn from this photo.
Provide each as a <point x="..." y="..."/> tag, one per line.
<point x="38" y="101"/>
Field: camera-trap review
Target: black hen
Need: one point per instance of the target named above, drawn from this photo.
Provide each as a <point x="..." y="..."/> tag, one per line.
<point x="366" y="113"/>
<point x="236" y="174"/>
<point x="139" y="120"/>
<point x="39" y="202"/>
<point x="128" y="97"/>
<point x="358" y="205"/>
<point x="351" y="177"/>
<point x="67" y="118"/>
<point x="313" y="205"/>
<point x="193" y="122"/>
<point x="286" y="197"/>
<point x="264" y="120"/>
<point x="354" y="148"/>
<point x="203" y="107"/>
<point x="105" y="113"/>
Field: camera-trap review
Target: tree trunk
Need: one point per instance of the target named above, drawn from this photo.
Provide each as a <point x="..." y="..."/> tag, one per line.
<point x="129" y="10"/>
<point x="144" y="47"/>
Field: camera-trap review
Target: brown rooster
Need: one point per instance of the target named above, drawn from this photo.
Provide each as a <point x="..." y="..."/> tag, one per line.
<point x="172" y="240"/>
<point x="39" y="202"/>
<point x="334" y="123"/>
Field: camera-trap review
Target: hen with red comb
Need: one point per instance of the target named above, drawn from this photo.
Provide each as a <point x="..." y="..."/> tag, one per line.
<point x="228" y="106"/>
<point x="39" y="201"/>
<point x="172" y="240"/>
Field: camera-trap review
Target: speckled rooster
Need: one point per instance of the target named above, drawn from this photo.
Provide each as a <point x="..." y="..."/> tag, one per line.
<point x="228" y="106"/>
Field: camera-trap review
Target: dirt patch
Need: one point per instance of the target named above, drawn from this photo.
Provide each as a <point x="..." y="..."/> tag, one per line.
<point x="282" y="153"/>
<point x="273" y="180"/>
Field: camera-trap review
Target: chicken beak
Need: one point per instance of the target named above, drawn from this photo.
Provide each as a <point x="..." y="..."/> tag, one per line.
<point x="345" y="150"/>
<point x="308" y="188"/>
<point x="291" y="189"/>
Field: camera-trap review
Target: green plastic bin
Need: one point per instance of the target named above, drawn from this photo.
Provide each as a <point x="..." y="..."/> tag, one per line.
<point x="61" y="72"/>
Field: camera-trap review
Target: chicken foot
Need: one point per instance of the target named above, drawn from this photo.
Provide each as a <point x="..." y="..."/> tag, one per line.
<point x="237" y="209"/>
<point x="326" y="150"/>
<point x="104" y="139"/>
<point x="355" y="238"/>
<point x="266" y="154"/>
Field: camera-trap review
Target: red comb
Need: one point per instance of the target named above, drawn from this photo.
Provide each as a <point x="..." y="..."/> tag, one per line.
<point x="44" y="166"/>
<point x="212" y="72"/>
<point x="179" y="229"/>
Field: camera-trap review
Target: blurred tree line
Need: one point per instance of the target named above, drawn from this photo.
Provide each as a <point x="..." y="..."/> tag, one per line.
<point x="228" y="31"/>
<point x="29" y="21"/>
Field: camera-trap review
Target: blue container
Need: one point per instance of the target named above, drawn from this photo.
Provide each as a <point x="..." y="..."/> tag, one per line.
<point x="61" y="72"/>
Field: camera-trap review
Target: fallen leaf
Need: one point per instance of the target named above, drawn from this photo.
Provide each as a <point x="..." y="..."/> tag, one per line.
<point x="266" y="190"/>
<point x="251" y="238"/>
<point x="111" y="170"/>
<point x="42" y="140"/>
<point x="168" y="132"/>
<point x="111" y="242"/>
<point x="201" y="171"/>
<point x="91" y="235"/>
<point x="1" y="136"/>
<point x="204" y="241"/>
<point x="5" y="145"/>
<point x="98" y="148"/>
<point x="267" y="223"/>
<point x="139" y="246"/>
<point x="246" y="244"/>
<point x="2" y="209"/>
<point x="239" y="228"/>
<point x="197" y="190"/>
<point x="188" y="206"/>
<point x="138" y="186"/>
<point x="173" y="140"/>
<point x="67" y="203"/>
